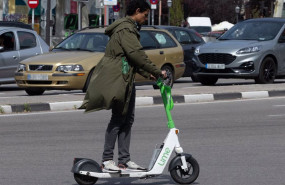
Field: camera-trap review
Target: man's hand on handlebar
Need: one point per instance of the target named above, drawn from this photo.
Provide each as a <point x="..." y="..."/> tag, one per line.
<point x="163" y="74"/>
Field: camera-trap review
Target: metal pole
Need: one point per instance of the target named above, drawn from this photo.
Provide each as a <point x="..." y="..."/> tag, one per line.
<point x="159" y="16"/>
<point x="33" y="18"/>
<point x="152" y="14"/>
<point x="2" y="6"/>
<point x="100" y="18"/>
<point x="50" y="27"/>
<point x="169" y="16"/>
<point x="79" y="5"/>
<point x="48" y="23"/>
<point x="106" y="16"/>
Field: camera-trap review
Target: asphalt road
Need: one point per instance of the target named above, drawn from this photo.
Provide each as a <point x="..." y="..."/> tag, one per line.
<point x="235" y="142"/>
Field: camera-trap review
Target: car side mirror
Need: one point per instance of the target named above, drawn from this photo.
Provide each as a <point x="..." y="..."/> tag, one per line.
<point x="1" y="48"/>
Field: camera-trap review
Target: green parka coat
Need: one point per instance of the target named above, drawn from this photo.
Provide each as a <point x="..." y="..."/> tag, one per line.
<point x="113" y="78"/>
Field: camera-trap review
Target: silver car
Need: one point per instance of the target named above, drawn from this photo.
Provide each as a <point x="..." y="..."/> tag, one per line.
<point x="17" y="42"/>
<point x="252" y="49"/>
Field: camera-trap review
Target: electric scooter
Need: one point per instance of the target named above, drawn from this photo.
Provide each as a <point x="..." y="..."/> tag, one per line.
<point x="183" y="168"/>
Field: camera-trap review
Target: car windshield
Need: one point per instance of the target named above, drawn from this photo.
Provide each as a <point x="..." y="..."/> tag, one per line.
<point x="84" y="42"/>
<point x="260" y="31"/>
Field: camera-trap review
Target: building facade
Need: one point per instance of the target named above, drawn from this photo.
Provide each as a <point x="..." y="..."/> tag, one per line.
<point x="64" y="15"/>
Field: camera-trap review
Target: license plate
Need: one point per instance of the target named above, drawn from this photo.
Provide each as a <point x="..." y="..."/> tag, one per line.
<point x="215" y="66"/>
<point x="37" y="77"/>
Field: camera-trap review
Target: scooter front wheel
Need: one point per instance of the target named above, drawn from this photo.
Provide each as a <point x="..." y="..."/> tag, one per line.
<point x="187" y="176"/>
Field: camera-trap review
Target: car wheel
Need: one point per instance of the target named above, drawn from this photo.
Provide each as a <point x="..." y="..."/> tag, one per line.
<point x="207" y="80"/>
<point x="267" y="71"/>
<point x="169" y="71"/>
<point x="87" y="81"/>
<point x="35" y="91"/>
<point x="194" y="78"/>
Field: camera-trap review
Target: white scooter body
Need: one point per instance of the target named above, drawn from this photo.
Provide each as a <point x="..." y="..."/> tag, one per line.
<point x="171" y="143"/>
<point x="184" y="169"/>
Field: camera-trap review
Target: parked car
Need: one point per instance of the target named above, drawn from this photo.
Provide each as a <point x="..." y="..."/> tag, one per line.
<point x="189" y="40"/>
<point x="251" y="49"/>
<point x="19" y="42"/>
<point x="200" y="24"/>
<point x="70" y="64"/>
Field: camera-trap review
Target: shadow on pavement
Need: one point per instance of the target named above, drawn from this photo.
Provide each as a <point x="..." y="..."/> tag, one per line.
<point x="10" y="88"/>
<point x="163" y="180"/>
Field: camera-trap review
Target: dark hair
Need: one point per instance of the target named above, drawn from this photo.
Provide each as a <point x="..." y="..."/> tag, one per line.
<point x="135" y="4"/>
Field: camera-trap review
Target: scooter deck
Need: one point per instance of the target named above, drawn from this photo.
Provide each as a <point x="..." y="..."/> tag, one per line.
<point x="122" y="171"/>
<point x="110" y="171"/>
<point x="127" y="171"/>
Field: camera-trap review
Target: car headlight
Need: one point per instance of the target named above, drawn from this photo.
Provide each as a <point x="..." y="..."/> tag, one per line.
<point x="21" y="68"/>
<point x="252" y="49"/>
<point x="197" y="51"/>
<point x="66" y="68"/>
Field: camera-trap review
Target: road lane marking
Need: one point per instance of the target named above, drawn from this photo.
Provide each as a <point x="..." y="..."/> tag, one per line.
<point x="277" y="115"/>
<point x="278" y="105"/>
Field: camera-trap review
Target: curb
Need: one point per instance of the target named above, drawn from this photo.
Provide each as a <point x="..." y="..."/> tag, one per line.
<point x="142" y="101"/>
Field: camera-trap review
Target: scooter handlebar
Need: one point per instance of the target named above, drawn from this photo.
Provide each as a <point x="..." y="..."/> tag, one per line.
<point x="164" y="81"/>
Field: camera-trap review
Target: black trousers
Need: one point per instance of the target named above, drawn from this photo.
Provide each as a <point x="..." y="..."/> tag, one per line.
<point x="120" y="127"/>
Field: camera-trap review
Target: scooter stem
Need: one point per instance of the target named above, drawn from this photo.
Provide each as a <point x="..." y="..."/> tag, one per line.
<point x="167" y="101"/>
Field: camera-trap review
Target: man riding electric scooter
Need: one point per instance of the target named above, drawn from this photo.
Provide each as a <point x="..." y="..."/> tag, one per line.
<point x="112" y="87"/>
<point x="112" y="83"/>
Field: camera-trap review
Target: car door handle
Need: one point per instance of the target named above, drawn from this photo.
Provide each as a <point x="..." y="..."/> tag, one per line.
<point x="14" y="57"/>
<point x="161" y="52"/>
<point x="37" y="54"/>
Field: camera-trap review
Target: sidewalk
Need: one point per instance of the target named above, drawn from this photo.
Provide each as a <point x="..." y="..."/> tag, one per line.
<point x="198" y="93"/>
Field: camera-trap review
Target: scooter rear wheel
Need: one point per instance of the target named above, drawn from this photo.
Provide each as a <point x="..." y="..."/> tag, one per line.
<point x="84" y="180"/>
<point x="186" y="177"/>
